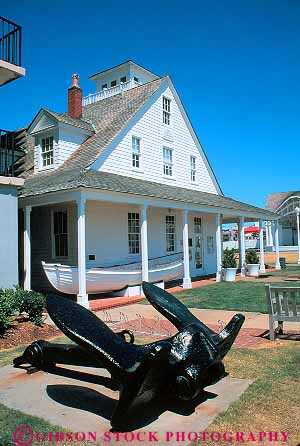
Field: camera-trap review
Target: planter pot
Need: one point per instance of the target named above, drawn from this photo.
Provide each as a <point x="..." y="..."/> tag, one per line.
<point x="229" y="274"/>
<point x="253" y="269"/>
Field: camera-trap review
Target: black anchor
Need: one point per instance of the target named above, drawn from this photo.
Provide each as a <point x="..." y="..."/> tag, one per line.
<point x="179" y="367"/>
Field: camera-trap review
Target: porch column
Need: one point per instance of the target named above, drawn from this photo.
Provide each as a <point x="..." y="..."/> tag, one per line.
<point x="261" y="246"/>
<point x="298" y="233"/>
<point x="27" y="249"/>
<point x="277" y="263"/>
<point x="267" y="233"/>
<point x="82" y="297"/>
<point x="242" y="245"/>
<point x="144" y="244"/>
<point x="219" y="247"/>
<point x="270" y="234"/>
<point x="187" y="283"/>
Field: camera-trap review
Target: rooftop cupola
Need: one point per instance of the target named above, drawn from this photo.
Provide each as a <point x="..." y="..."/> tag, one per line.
<point x="118" y="79"/>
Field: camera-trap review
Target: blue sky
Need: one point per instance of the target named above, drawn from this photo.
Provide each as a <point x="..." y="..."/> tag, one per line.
<point x="235" y="64"/>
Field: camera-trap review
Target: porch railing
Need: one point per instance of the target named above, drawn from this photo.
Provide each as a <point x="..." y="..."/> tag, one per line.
<point x="107" y="92"/>
<point x="9" y="153"/>
<point x="10" y="42"/>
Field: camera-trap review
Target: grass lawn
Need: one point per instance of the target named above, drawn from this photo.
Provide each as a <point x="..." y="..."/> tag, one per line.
<point x="272" y="402"/>
<point x="238" y="296"/>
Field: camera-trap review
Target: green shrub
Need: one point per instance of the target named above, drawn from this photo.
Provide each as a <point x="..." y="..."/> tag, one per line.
<point x="7" y="309"/>
<point x="16" y="301"/>
<point x="30" y="302"/>
<point x="229" y="259"/>
<point x="251" y="256"/>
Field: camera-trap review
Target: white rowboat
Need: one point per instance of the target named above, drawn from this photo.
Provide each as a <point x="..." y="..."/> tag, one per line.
<point x="105" y="279"/>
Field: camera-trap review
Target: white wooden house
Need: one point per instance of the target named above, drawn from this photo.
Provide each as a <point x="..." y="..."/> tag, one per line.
<point x="120" y="178"/>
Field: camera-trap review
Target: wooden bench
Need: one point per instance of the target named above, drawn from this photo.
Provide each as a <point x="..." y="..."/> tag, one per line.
<point x="283" y="305"/>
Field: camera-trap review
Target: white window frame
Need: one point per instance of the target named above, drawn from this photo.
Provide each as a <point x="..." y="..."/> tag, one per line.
<point x="166" y="107"/>
<point x="41" y="158"/>
<point x="168" y="162"/>
<point x="53" y="211"/>
<point x="136" y="234"/>
<point x="193" y="166"/>
<point x="136" y="154"/>
<point x="170" y="233"/>
<point x="210" y="244"/>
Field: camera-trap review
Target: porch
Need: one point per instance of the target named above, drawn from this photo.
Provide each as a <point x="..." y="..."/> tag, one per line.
<point x="98" y="234"/>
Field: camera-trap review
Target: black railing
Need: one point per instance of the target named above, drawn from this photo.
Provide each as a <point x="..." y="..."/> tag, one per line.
<point x="10" y="42"/>
<point x="8" y="155"/>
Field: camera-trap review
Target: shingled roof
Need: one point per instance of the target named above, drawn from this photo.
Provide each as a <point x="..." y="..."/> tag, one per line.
<point x="66" y="119"/>
<point x="110" y="116"/>
<point x="107" y="118"/>
<point x="275" y="200"/>
<point x="89" y="178"/>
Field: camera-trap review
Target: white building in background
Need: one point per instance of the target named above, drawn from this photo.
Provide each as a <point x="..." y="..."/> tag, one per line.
<point x="286" y="205"/>
<point x="120" y="178"/>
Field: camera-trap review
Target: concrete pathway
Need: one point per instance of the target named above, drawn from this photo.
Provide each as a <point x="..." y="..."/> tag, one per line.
<point x="87" y="406"/>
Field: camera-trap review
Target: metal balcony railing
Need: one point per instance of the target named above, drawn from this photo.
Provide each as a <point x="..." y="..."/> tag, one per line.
<point x="9" y="153"/>
<point x="10" y="42"/>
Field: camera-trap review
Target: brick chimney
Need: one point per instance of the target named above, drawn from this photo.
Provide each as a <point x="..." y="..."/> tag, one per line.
<point x="75" y="99"/>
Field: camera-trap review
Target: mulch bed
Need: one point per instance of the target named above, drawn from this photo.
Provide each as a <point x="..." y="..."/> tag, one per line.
<point x="23" y="332"/>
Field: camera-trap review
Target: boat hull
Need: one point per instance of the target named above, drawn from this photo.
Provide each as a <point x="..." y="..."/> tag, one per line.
<point x="99" y="280"/>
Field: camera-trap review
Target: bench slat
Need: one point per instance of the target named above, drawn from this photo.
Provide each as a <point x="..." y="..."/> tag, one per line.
<point x="278" y="305"/>
<point x="285" y="303"/>
<point x="294" y="303"/>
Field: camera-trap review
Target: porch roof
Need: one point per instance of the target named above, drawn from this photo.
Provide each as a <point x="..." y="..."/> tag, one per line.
<point x="84" y="178"/>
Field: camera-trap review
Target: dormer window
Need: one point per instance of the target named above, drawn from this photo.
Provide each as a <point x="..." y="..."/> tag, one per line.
<point x="47" y="151"/>
<point x="166" y="110"/>
<point x="123" y="79"/>
<point x="113" y="83"/>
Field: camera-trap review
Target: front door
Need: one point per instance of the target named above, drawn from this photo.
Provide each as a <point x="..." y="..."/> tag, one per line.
<point x="197" y="257"/>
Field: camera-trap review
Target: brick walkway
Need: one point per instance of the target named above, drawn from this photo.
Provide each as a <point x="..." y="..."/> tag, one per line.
<point x="113" y="302"/>
<point x="157" y="329"/>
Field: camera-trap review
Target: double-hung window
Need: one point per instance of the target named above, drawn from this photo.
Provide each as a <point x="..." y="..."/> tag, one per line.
<point x="60" y="233"/>
<point x="166" y="110"/>
<point x="47" y="151"/>
<point x="133" y="233"/>
<point x="193" y="169"/>
<point x="168" y="161"/>
<point x="170" y="233"/>
<point x="136" y="152"/>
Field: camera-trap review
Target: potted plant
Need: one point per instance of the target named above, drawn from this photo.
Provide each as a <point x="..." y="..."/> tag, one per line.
<point x="252" y="262"/>
<point x="229" y="265"/>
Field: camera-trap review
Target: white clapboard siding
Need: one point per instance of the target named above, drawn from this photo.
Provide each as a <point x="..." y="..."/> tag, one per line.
<point x="66" y="141"/>
<point x="154" y="135"/>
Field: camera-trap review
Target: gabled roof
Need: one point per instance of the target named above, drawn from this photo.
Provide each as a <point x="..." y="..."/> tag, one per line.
<point x="274" y="200"/>
<point x="66" y="119"/>
<point x="117" y="67"/>
<point x="89" y="178"/>
<point x="106" y="117"/>
<point x="63" y="118"/>
<point x="110" y="116"/>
